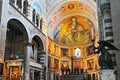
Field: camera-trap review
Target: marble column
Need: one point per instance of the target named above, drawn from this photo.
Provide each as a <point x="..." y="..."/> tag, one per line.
<point x="15" y="2"/>
<point x="27" y="49"/>
<point x="52" y="75"/>
<point x="22" y="6"/>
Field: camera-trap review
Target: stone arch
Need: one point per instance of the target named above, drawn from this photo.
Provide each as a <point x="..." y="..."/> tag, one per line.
<point x="16" y="34"/>
<point x="36" y="40"/>
<point x="37" y="48"/>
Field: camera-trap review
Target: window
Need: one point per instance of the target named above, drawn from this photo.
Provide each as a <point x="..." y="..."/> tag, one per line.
<point x="37" y="19"/>
<point x="109" y="34"/>
<point x="108" y="11"/>
<point x="77" y="52"/>
<point x="41" y="21"/>
<point x="33" y="17"/>
<point x="107" y="14"/>
<point x="25" y="6"/>
<point x="108" y="27"/>
<point x="19" y="3"/>
<point x="108" y="20"/>
<point x="32" y="53"/>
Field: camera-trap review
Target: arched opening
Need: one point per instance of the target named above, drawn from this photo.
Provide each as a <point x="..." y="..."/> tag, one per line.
<point x="14" y="49"/>
<point x="37" y="48"/>
<point x="37" y="55"/>
<point x="16" y="35"/>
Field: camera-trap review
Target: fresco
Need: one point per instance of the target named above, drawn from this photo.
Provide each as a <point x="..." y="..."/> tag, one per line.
<point x="73" y="30"/>
<point x="68" y="8"/>
<point x="51" y="3"/>
<point x="37" y="6"/>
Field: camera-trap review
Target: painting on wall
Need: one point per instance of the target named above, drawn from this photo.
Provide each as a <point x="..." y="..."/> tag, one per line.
<point x="65" y="64"/>
<point x="64" y="52"/>
<point x="56" y="64"/>
<point x="90" y="64"/>
<point x="90" y="50"/>
<point x="78" y="64"/>
<point x="14" y="73"/>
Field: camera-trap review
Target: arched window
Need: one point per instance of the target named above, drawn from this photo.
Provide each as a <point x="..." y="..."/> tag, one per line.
<point x="19" y="3"/>
<point x="41" y="21"/>
<point x="33" y="17"/>
<point x="37" y="19"/>
<point x="25" y="7"/>
<point x="77" y="52"/>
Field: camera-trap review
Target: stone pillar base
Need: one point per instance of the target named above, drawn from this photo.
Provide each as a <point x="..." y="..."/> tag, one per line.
<point x="107" y="74"/>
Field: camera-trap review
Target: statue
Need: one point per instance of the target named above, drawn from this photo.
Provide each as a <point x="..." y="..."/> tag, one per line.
<point x="105" y="60"/>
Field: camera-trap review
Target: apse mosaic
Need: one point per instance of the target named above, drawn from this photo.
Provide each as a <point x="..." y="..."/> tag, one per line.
<point x="73" y="30"/>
